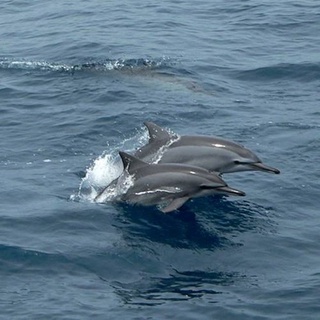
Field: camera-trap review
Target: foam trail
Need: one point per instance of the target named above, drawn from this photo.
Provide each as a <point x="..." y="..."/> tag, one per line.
<point x="105" y="65"/>
<point x="33" y="65"/>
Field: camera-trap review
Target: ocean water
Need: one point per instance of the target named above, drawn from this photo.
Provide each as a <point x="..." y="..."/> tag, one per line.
<point x="77" y="81"/>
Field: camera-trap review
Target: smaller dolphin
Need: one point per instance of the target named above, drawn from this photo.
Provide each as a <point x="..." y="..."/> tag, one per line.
<point x="169" y="185"/>
<point x="212" y="153"/>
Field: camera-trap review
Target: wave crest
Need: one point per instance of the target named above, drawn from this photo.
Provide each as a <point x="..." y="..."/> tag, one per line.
<point x="105" y="65"/>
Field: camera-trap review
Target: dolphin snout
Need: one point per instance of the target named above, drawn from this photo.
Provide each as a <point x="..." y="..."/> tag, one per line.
<point x="231" y="191"/>
<point x="263" y="167"/>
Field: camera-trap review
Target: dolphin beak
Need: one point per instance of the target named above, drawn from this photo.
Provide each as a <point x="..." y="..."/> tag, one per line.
<point x="262" y="167"/>
<point x="230" y="191"/>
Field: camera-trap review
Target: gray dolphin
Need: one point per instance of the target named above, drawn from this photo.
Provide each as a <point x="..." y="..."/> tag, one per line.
<point x="212" y="153"/>
<point x="170" y="185"/>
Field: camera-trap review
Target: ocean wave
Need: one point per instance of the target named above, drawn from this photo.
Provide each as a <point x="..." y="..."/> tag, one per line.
<point x="288" y="71"/>
<point x="16" y="258"/>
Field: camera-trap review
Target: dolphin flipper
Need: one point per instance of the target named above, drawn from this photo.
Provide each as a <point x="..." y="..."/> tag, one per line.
<point x="175" y="204"/>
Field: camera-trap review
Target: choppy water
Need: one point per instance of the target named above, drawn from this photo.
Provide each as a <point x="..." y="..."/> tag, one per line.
<point x="77" y="80"/>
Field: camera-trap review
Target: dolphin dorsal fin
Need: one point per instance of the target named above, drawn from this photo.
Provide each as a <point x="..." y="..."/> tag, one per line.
<point x="130" y="162"/>
<point x="156" y="132"/>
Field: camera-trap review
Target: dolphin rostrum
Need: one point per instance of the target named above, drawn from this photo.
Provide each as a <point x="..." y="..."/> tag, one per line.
<point x="212" y="153"/>
<point x="170" y="185"/>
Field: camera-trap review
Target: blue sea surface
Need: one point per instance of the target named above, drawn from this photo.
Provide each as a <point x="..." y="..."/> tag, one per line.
<point x="77" y="81"/>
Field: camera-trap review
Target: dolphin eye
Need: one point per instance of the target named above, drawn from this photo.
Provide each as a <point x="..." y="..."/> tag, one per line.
<point x="236" y="162"/>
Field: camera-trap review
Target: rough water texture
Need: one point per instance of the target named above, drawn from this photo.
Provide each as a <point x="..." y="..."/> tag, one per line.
<point x="77" y="81"/>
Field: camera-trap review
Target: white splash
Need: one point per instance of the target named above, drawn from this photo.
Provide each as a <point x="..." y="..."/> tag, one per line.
<point x="115" y="190"/>
<point x="106" y="168"/>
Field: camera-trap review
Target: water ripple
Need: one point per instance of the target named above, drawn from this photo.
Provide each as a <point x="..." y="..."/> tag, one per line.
<point x="285" y="71"/>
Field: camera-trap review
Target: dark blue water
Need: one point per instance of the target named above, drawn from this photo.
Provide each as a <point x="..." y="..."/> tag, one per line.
<point x="77" y="80"/>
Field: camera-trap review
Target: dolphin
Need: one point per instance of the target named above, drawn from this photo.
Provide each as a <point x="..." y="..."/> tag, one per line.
<point x="169" y="185"/>
<point x="212" y="153"/>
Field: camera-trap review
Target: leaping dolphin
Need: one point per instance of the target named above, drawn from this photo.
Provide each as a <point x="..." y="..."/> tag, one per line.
<point x="169" y="185"/>
<point x="212" y="153"/>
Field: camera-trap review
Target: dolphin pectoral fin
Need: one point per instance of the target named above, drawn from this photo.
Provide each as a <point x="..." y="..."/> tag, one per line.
<point x="156" y="132"/>
<point x="175" y="204"/>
